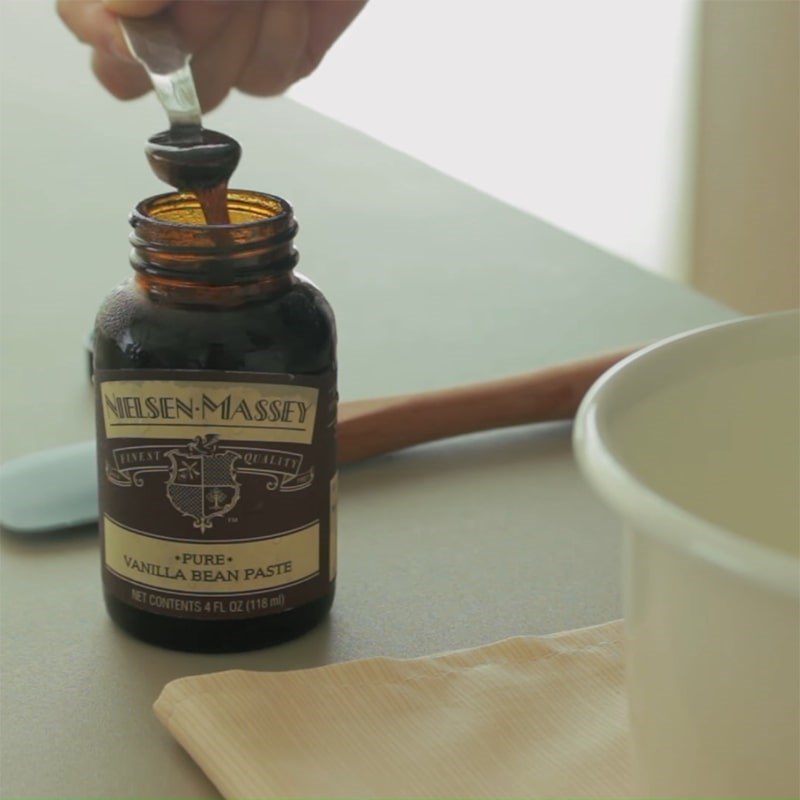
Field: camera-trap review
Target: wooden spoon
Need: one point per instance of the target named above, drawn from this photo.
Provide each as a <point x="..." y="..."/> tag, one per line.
<point x="57" y="489"/>
<point x="370" y="427"/>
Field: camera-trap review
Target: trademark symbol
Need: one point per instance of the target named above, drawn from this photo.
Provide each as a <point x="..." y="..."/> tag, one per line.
<point x="233" y="519"/>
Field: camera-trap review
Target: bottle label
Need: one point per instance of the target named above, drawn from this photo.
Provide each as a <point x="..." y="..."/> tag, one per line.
<point x="217" y="490"/>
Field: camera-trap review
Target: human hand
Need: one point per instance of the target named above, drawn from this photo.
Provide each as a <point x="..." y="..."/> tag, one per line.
<point x="260" y="47"/>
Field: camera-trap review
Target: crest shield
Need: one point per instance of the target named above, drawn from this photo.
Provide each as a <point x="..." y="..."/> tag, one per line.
<point x="202" y="483"/>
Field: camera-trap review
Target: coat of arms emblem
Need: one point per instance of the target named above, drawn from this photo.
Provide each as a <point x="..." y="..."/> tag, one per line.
<point x="202" y="483"/>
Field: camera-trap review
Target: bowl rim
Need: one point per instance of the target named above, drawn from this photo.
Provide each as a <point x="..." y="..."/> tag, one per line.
<point x="652" y="514"/>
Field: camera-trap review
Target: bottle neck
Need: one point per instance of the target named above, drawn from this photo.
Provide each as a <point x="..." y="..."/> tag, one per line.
<point x="179" y="258"/>
<point x="174" y="291"/>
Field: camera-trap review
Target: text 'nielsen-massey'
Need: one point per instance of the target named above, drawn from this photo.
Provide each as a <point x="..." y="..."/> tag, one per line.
<point x="205" y="408"/>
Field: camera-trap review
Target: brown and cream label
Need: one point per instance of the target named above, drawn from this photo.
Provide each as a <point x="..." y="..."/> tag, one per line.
<point x="217" y="490"/>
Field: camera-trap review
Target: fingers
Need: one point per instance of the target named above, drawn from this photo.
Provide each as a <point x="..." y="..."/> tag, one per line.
<point x="217" y="66"/>
<point x="135" y="8"/>
<point x="94" y="25"/>
<point x="279" y="46"/>
<point x="260" y="46"/>
<point x="292" y="39"/>
<point x="124" y="80"/>
<point x="112" y="63"/>
<point x="199" y="23"/>
<point x="328" y="22"/>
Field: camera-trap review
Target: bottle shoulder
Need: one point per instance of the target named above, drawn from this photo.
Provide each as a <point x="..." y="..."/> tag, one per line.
<point x="292" y="330"/>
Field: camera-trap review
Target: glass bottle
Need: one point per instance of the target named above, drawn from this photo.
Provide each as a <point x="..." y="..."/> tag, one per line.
<point x="215" y="376"/>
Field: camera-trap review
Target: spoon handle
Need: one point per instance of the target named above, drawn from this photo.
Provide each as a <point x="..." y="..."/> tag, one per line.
<point x="371" y="427"/>
<point x="155" y="44"/>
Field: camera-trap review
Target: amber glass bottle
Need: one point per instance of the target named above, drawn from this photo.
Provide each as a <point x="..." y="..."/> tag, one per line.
<point x="215" y="376"/>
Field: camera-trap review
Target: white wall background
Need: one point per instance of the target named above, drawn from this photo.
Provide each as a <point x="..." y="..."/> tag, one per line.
<point x="574" y="110"/>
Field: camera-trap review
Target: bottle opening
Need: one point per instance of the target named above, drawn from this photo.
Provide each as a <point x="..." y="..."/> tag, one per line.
<point x="183" y="208"/>
<point x="171" y="238"/>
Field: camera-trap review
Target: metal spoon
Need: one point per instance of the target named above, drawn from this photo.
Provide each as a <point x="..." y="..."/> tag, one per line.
<point x="186" y="156"/>
<point x="155" y="44"/>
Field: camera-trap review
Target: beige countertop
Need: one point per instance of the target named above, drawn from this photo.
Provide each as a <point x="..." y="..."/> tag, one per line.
<point x="444" y="546"/>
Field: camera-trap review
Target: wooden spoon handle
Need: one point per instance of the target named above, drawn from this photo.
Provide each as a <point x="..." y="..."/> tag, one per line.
<point x="370" y="427"/>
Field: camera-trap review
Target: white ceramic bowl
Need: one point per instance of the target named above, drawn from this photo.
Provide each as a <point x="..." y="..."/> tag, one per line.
<point x="694" y="441"/>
